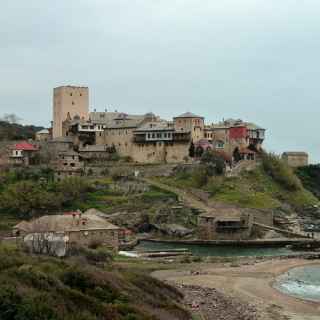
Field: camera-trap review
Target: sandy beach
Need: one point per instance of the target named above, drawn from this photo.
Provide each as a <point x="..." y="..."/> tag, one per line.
<point x="251" y="284"/>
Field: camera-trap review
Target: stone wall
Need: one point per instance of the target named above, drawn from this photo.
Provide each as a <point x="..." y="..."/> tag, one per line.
<point x="108" y="238"/>
<point x="294" y="160"/>
<point x="127" y="169"/>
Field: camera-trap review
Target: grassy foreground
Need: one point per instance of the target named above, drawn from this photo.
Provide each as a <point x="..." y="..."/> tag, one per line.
<point x="43" y="288"/>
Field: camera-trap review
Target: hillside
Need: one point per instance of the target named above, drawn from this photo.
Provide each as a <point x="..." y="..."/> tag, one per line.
<point x="144" y="206"/>
<point x="310" y="177"/>
<point x="253" y="189"/>
<point x="270" y="186"/>
<point x="14" y="131"/>
<point x="48" y="288"/>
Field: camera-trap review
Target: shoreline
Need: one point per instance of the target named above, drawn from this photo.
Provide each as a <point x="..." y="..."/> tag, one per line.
<point x="252" y="284"/>
<point x="239" y="243"/>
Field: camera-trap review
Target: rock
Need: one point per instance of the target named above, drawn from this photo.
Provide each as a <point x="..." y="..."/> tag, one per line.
<point x="174" y="230"/>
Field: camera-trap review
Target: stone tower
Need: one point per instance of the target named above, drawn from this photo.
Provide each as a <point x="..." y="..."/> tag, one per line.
<point x="69" y="101"/>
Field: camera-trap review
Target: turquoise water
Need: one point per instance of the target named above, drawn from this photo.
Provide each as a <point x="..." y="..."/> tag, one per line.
<point x="217" y="251"/>
<point x="301" y="282"/>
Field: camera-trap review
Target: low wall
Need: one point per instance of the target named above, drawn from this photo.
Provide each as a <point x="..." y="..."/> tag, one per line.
<point x="127" y="169"/>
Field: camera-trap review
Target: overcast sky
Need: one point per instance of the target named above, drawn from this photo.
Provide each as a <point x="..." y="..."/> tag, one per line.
<point x="252" y="59"/>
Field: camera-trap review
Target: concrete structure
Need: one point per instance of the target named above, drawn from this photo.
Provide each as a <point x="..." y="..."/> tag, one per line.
<point x="68" y="102"/>
<point x="296" y="159"/>
<point x="79" y="229"/>
<point x="225" y="224"/>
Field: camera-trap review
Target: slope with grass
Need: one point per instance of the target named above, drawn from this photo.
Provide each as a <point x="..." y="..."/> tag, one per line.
<point x="271" y="185"/>
<point x="310" y="178"/>
<point x="48" y="288"/>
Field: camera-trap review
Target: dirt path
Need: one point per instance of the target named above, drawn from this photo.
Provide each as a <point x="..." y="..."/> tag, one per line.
<point x="252" y="285"/>
<point x="186" y="197"/>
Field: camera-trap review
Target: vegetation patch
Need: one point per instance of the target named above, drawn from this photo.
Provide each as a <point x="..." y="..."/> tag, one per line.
<point x="49" y="288"/>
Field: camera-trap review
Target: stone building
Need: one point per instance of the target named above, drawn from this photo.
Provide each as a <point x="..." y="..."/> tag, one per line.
<point x="78" y="229"/>
<point x="43" y="135"/>
<point x="148" y="138"/>
<point x="225" y="224"/>
<point x="69" y="101"/>
<point x="241" y="140"/>
<point x="296" y="159"/>
<point x="67" y="164"/>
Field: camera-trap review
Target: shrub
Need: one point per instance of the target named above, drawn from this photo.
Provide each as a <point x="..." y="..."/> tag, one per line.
<point x="90" y="172"/>
<point x="77" y="279"/>
<point x="200" y="177"/>
<point x="280" y="172"/>
<point x="215" y="162"/>
<point x="26" y="198"/>
<point x="73" y="188"/>
<point x="93" y="256"/>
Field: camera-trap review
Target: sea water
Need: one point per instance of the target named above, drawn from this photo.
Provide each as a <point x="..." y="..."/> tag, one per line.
<point x="301" y="282"/>
<point x="217" y="251"/>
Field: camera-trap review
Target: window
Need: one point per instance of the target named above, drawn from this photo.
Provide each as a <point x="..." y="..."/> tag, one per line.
<point x="153" y="135"/>
<point x="219" y="144"/>
<point x="73" y="103"/>
<point x="71" y="94"/>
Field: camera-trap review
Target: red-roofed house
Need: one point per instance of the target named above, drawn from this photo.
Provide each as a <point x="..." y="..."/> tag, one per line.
<point x="23" y="153"/>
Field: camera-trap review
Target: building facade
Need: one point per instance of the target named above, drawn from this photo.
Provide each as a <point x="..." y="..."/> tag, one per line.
<point x="68" y="102"/>
<point x="296" y="159"/>
<point x="79" y="229"/>
<point x="148" y="138"/>
<point x="225" y="224"/>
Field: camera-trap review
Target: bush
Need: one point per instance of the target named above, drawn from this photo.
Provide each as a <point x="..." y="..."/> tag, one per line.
<point x="93" y="256"/>
<point x="280" y="172"/>
<point x="200" y="177"/>
<point x="215" y="162"/>
<point x="77" y="279"/>
<point x="26" y="198"/>
<point x="73" y="188"/>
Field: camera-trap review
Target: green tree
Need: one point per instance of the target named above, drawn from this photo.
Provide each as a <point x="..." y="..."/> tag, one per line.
<point x="214" y="161"/>
<point x="26" y="198"/>
<point x="73" y="188"/>
<point x="191" y="150"/>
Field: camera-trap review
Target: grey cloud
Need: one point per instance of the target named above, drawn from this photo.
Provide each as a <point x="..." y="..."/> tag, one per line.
<point x="253" y="59"/>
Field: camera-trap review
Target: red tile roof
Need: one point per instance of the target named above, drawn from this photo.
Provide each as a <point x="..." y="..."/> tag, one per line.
<point x="25" y="146"/>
